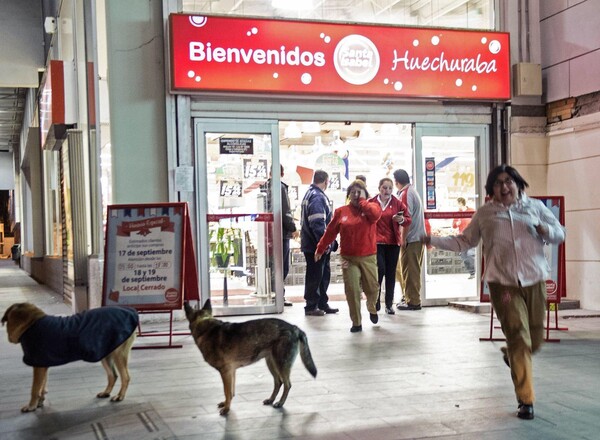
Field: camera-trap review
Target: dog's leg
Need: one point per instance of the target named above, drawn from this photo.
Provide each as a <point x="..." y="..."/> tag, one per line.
<point x="228" y="378"/>
<point x="121" y="359"/>
<point x="44" y="390"/>
<point x="276" y="378"/>
<point x="40" y="378"/>
<point x="117" y="362"/>
<point x="108" y="364"/>
<point x="287" y="385"/>
<point x="284" y="359"/>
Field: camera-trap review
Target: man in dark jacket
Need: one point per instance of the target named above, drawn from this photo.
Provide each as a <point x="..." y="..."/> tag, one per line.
<point x="316" y="214"/>
<point x="288" y="227"/>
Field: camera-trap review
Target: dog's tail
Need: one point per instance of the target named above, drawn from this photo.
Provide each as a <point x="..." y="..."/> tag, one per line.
<point x="305" y="355"/>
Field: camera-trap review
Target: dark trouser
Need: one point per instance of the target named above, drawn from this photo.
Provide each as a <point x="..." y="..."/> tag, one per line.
<point x="387" y="260"/>
<point x="316" y="282"/>
<point x="286" y="257"/>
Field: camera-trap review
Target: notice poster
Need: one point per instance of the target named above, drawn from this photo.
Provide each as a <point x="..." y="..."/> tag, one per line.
<point x="430" y="182"/>
<point x="144" y="256"/>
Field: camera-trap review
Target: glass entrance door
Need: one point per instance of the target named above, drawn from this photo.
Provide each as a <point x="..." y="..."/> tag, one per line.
<point x="450" y="161"/>
<point x="239" y="216"/>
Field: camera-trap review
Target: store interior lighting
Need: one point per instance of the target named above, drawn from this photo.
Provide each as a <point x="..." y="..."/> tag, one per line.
<point x="293" y="5"/>
<point x="366" y="132"/>
<point x="311" y="127"/>
<point x="390" y="130"/>
<point x="292" y="131"/>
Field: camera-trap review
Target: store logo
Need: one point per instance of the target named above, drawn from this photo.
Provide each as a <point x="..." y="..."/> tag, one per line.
<point x="551" y="287"/>
<point x="356" y="59"/>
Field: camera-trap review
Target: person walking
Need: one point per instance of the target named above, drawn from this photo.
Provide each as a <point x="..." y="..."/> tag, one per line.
<point x="468" y="256"/>
<point x="408" y="270"/>
<point x="513" y="229"/>
<point x="394" y="215"/>
<point x="356" y="223"/>
<point x="316" y="214"/>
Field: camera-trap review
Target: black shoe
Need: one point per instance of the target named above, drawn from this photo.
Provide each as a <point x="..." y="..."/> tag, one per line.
<point x="287" y="303"/>
<point x="330" y="310"/>
<point x="402" y="306"/>
<point x="504" y="351"/>
<point x="378" y="306"/>
<point x="389" y="311"/>
<point x="356" y="329"/>
<point x="525" y="412"/>
<point x="374" y="317"/>
<point x="315" y="312"/>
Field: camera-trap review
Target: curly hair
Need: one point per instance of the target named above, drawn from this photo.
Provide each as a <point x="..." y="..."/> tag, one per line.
<point x="356" y="184"/>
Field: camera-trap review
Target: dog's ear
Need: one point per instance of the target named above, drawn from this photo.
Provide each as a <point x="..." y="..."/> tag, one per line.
<point x="5" y="317"/>
<point x="19" y="317"/>
<point x="189" y="310"/>
<point x="207" y="306"/>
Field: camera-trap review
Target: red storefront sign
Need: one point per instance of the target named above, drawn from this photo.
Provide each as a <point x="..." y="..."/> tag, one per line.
<point x="283" y="56"/>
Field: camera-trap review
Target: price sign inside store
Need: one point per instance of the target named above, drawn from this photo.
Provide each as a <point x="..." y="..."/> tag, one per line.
<point x="293" y="192"/>
<point x="236" y="146"/>
<point x="230" y="188"/>
<point x="255" y="169"/>
<point x="335" y="181"/>
<point x="430" y="182"/>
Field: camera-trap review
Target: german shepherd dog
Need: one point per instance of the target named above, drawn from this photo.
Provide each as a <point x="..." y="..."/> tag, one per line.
<point x="228" y="346"/>
<point x="106" y="334"/>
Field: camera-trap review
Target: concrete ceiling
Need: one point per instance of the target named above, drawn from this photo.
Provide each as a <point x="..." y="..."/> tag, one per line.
<point x="12" y="103"/>
<point x="21" y="60"/>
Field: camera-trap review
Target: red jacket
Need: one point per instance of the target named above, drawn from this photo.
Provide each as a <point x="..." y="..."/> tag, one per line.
<point x="388" y="230"/>
<point x="462" y="223"/>
<point x="357" y="228"/>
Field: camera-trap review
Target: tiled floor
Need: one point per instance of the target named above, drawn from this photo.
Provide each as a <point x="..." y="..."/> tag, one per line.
<point x="415" y="375"/>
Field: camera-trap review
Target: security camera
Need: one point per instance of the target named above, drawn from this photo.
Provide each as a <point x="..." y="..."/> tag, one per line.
<point x="50" y="25"/>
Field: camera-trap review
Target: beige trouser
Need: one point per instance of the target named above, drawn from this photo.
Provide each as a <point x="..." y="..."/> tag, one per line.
<point x="408" y="272"/>
<point x="520" y="311"/>
<point x="360" y="274"/>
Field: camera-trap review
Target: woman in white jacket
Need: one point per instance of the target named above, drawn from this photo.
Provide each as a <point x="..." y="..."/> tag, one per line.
<point x="513" y="229"/>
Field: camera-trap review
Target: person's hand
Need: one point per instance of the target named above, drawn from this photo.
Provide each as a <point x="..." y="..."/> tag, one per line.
<point x="426" y="239"/>
<point x="398" y="218"/>
<point x="318" y="257"/>
<point x="296" y="235"/>
<point x="363" y="194"/>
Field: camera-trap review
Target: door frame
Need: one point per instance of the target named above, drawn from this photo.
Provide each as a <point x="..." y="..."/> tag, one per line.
<point x="201" y="126"/>
<point x="481" y="133"/>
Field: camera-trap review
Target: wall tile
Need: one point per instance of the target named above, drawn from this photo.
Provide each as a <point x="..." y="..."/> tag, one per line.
<point x="584" y="76"/>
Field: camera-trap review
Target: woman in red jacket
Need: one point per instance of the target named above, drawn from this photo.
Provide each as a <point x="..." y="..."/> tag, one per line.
<point x="394" y="215"/>
<point x="356" y="223"/>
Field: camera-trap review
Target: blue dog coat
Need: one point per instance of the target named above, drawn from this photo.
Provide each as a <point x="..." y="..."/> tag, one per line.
<point x="88" y="336"/>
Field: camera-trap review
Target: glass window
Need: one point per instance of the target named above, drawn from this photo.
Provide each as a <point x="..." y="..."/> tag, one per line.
<point x="469" y="14"/>
<point x="52" y="203"/>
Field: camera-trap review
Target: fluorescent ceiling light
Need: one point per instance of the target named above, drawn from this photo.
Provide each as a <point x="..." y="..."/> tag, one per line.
<point x="292" y="131"/>
<point x="390" y="130"/>
<point x="293" y="5"/>
<point x="311" y="127"/>
<point x="366" y="132"/>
